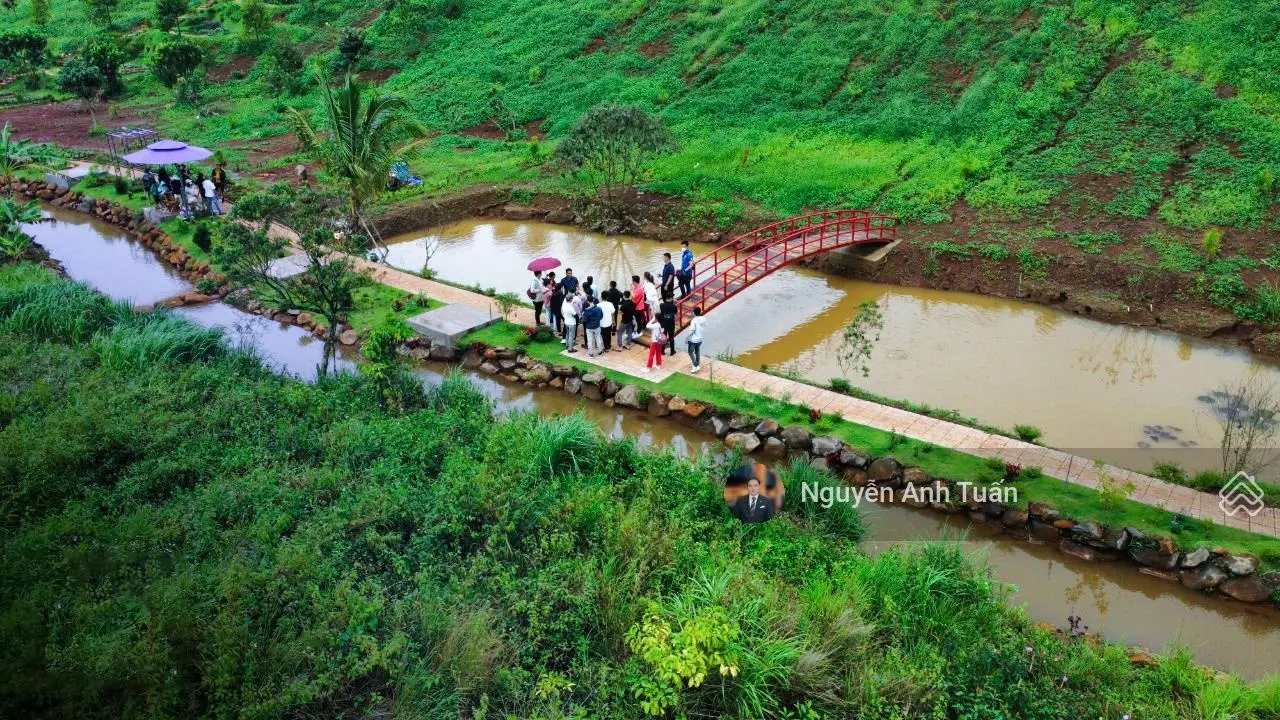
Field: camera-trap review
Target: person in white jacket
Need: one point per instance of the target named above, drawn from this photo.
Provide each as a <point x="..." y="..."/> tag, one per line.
<point x="696" y="327"/>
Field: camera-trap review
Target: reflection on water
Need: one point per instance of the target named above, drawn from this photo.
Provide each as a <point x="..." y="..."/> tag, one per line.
<point x="287" y="348"/>
<point x="1091" y="387"/>
<point x="103" y="256"/>
<point x="1112" y="599"/>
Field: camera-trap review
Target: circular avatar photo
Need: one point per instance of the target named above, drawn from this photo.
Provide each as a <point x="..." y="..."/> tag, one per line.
<point x="754" y="493"/>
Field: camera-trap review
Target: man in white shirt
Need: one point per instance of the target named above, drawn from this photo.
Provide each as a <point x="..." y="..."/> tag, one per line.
<point x="696" y="326"/>
<point x="535" y="296"/>
<point x="606" y="322"/>
<point x="211" y="202"/>
<point x="572" y="308"/>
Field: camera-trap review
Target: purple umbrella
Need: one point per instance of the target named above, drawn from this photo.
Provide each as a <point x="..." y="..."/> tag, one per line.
<point x="544" y="263"/>
<point x="168" y="152"/>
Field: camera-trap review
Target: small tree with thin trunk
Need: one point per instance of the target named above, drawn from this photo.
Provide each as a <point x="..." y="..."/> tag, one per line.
<point x="859" y="339"/>
<point x="101" y="12"/>
<point x="169" y="12"/>
<point x="1247" y="413"/>
<point x="249" y="249"/>
<point x="255" y="19"/>
<point x="609" y="149"/>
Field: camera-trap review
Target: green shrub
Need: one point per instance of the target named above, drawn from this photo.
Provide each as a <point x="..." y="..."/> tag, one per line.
<point x="1028" y="433"/>
<point x="1170" y="472"/>
<point x="841" y="385"/>
<point x="202" y="238"/>
<point x="1211" y="243"/>
<point x="1208" y="480"/>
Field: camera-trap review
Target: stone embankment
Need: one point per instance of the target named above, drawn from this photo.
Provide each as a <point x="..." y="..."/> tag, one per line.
<point x="1213" y="570"/>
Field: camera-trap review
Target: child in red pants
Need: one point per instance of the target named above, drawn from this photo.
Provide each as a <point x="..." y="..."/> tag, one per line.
<point x="657" y="338"/>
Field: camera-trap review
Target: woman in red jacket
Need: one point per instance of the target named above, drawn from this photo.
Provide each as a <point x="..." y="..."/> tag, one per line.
<point x="637" y="297"/>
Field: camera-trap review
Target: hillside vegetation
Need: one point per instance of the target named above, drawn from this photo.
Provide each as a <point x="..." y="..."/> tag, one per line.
<point x="183" y="534"/>
<point x="1117" y="131"/>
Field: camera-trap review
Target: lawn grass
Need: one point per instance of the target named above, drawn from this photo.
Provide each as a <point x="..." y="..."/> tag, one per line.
<point x="134" y="200"/>
<point x="375" y="303"/>
<point x="1073" y="500"/>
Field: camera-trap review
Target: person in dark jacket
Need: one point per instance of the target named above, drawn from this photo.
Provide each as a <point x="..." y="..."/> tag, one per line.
<point x="569" y="285"/>
<point x="591" y="317"/>
<point x="685" y="276"/>
<point x="627" y="319"/>
<point x="557" y="307"/>
<point x="667" y="317"/>
<point x="668" y="275"/>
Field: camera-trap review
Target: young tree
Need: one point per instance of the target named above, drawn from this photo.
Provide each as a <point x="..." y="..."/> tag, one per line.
<point x="282" y="69"/>
<point x="23" y="51"/>
<point x="101" y="12"/>
<point x="859" y="339"/>
<point x="610" y="147"/>
<point x="169" y="12"/>
<point x="104" y="53"/>
<point x="255" y="19"/>
<point x="359" y="141"/>
<point x="14" y="241"/>
<point x="173" y="61"/>
<point x="40" y="12"/>
<point x="1247" y="412"/>
<point x="81" y="79"/>
<point x="248" y="250"/>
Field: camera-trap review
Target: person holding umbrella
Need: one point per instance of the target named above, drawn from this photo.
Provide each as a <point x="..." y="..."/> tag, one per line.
<point x="535" y="291"/>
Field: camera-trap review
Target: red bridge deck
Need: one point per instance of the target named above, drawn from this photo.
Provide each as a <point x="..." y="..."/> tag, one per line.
<point x="747" y="259"/>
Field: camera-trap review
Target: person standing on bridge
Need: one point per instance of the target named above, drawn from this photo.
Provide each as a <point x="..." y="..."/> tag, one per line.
<point x="627" y="316"/>
<point x="572" y="311"/>
<point x="651" y="297"/>
<point x="607" y="323"/>
<point x="638" y="299"/>
<point x="686" y="270"/>
<point x="667" y="318"/>
<point x="668" y="275"/>
<point x="592" y="315"/>
<point x="556" y="314"/>
<point x="695" y="338"/>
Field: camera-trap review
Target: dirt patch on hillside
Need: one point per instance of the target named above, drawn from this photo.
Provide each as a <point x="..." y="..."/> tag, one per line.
<point x="489" y="130"/>
<point x="223" y="73"/>
<point x="377" y="76"/>
<point x="69" y="123"/>
<point x="654" y="49"/>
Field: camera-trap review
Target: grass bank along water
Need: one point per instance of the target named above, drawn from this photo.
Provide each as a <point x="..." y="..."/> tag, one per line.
<point x="184" y="529"/>
<point x="1093" y="387"/>
<point x="1114" y="601"/>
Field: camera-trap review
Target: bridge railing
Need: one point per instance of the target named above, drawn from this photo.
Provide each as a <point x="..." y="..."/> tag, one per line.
<point x="711" y="264"/>
<point x="801" y="241"/>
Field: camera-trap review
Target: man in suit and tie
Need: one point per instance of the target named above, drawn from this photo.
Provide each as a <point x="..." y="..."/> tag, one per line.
<point x="753" y="507"/>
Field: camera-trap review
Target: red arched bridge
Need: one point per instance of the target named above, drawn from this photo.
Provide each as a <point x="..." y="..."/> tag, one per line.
<point x="747" y="259"/>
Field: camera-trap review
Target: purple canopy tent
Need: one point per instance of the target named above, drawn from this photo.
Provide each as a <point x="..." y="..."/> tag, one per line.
<point x="168" y="152"/>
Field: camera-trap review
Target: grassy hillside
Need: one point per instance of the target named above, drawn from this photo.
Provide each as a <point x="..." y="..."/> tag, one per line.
<point x="1105" y="130"/>
<point x="183" y="534"/>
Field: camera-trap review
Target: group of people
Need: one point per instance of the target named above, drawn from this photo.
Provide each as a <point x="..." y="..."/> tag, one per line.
<point x="182" y="193"/>
<point x="612" y="319"/>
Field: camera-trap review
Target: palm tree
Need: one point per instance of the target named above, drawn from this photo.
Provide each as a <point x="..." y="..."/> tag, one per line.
<point x="14" y="241"/>
<point x="360" y="140"/>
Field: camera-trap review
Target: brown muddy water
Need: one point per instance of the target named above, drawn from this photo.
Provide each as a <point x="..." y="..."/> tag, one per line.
<point x="1123" y="394"/>
<point x="1113" y="599"/>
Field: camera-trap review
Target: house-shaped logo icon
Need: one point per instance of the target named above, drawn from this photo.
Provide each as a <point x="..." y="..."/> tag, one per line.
<point x="1241" y="493"/>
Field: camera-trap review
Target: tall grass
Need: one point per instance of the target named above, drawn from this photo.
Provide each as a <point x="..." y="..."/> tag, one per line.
<point x="60" y="311"/>
<point x="158" y="338"/>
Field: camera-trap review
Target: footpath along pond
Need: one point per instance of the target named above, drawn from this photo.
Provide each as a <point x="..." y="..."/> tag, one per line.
<point x="1111" y="599"/>
<point x="1123" y="394"/>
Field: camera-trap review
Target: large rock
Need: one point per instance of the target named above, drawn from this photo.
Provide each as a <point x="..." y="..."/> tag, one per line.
<point x="1241" y="564"/>
<point x="1246" y="589"/>
<point x="1076" y="550"/>
<point x="676" y="405"/>
<point x="1203" y="577"/>
<point x="849" y="458"/>
<point x="884" y="469"/>
<point x="745" y="440"/>
<point x="1152" y="557"/>
<point x="1043" y="511"/>
<point x="572" y="385"/>
<point x="539" y="373"/>
<point x="694" y="410"/>
<point x="595" y="377"/>
<point x="1044" y="531"/>
<point x="1014" y="518"/>
<point x="796" y="438"/>
<point x="348" y="337"/>
<point x="628" y="396"/>
<point x="914" y="476"/>
<point x="591" y="391"/>
<point x="488" y="368"/>
<point x="714" y="425"/>
<point x="564" y="370"/>
<point x="773" y="449"/>
<point x="1088" y="531"/>
<point x="507" y="364"/>
<point x="658" y="404"/>
<point x="1195" y="558"/>
<point x="609" y="388"/>
<point x="826" y="446"/>
<point x="767" y="428"/>
<point x="1116" y="539"/>
<point x="740" y="423"/>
